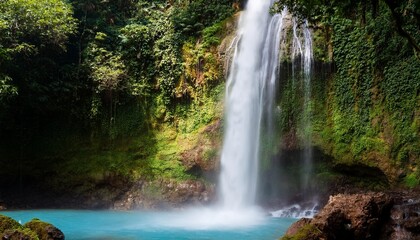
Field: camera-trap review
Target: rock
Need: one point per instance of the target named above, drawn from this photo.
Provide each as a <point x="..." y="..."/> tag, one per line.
<point x="7" y="223"/>
<point x="44" y="231"/>
<point x="2" y="205"/>
<point x="355" y="216"/>
<point x="346" y="216"/>
<point x="19" y="234"/>
<point x="295" y="227"/>
<point x="304" y="230"/>
<point x="404" y="222"/>
<point x="12" y="230"/>
<point x="412" y="225"/>
<point x="165" y="194"/>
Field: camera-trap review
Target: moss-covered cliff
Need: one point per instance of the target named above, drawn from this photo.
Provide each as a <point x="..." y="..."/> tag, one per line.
<point x="365" y="90"/>
<point x="144" y="119"/>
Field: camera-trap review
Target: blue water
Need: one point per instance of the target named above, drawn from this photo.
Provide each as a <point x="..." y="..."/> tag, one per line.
<point x="139" y="225"/>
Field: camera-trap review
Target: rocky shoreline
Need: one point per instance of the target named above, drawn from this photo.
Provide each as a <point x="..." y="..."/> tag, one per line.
<point x="124" y="195"/>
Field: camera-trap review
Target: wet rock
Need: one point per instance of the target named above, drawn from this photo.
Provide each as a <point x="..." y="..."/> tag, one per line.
<point x="412" y="225"/>
<point x="165" y="194"/>
<point x="347" y="216"/>
<point x="44" y="231"/>
<point x="356" y="216"/>
<point x="188" y="192"/>
<point x="404" y="223"/>
<point x="225" y="50"/>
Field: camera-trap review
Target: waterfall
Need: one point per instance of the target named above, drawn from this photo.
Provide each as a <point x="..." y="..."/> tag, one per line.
<point x="250" y="100"/>
<point x="249" y="95"/>
<point x="302" y="53"/>
<point x="250" y="104"/>
<point x="307" y="69"/>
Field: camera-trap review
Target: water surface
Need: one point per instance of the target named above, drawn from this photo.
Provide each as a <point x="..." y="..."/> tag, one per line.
<point x="95" y="225"/>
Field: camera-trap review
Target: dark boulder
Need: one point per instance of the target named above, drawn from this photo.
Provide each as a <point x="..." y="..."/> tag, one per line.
<point x="346" y="216"/>
<point x="404" y="223"/>
<point x="413" y="225"/>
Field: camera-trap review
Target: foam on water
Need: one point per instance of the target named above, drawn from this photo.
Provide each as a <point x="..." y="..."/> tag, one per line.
<point x="208" y="218"/>
<point x="296" y="211"/>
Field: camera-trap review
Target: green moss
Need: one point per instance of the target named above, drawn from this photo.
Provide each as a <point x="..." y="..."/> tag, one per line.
<point x="19" y="234"/>
<point x="8" y="223"/>
<point x="211" y="35"/>
<point x="210" y="153"/>
<point x="11" y="229"/>
<point x="42" y="229"/>
<point x="367" y="111"/>
<point x="412" y="180"/>
<point x="308" y="231"/>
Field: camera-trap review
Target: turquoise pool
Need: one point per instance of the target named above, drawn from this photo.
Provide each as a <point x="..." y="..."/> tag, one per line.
<point x="150" y="225"/>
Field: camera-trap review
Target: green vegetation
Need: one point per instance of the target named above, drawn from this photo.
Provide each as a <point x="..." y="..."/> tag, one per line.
<point x="92" y="90"/>
<point x="367" y="109"/>
<point x="42" y="229"/>
<point x="32" y="230"/>
<point x="307" y="231"/>
<point x="8" y="223"/>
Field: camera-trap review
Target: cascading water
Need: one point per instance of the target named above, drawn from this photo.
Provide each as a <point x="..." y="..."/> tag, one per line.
<point x="307" y="68"/>
<point x="251" y="99"/>
<point x="251" y="78"/>
<point x="250" y="103"/>
<point x="302" y="54"/>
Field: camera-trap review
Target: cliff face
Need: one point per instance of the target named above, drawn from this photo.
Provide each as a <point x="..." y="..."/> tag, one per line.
<point x="367" y="111"/>
<point x="365" y="100"/>
<point x="167" y="158"/>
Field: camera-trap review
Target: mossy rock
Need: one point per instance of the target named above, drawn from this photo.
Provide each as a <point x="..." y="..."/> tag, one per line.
<point x="19" y="234"/>
<point x="306" y="232"/>
<point x="45" y="231"/>
<point x="7" y="223"/>
<point x="303" y="229"/>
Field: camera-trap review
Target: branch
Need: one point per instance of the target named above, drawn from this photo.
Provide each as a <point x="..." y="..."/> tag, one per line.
<point x="399" y="23"/>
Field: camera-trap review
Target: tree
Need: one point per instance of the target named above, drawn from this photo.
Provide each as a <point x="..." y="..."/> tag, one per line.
<point x="405" y="14"/>
<point x="107" y="71"/>
<point x="35" y="24"/>
<point x="6" y="89"/>
<point x="28" y="27"/>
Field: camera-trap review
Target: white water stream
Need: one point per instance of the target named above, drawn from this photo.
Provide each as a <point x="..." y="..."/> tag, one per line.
<point x="249" y="103"/>
<point x="251" y="99"/>
<point x="252" y="75"/>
